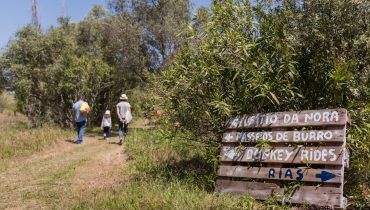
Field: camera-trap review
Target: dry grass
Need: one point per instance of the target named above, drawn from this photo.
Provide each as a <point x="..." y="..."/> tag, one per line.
<point x="169" y="174"/>
<point x="41" y="169"/>
<point x="7" y="102"/>
<point x="16" y="139"/>
<point x="62" y="176"/>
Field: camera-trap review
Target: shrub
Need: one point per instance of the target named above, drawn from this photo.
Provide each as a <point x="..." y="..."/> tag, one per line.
<point x="275" y="56"/>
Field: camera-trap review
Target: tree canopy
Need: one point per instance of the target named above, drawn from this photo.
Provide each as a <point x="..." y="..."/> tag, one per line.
<point x="101" y="57"/>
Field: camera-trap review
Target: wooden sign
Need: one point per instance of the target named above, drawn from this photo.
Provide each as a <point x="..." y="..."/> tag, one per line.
<point x="303" y="155"/>
<point x="261" y="153"/>
<point x="275" y="173"/>
<point x="290" y="119"/>
<point x="286" y="136"/>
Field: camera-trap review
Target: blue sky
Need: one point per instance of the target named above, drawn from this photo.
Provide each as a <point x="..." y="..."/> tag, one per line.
<point x="14" y="14"/>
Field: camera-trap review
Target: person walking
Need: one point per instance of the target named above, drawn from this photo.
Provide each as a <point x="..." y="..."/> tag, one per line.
<point x="79" y="117"/>
<point x="106" y="124"/>
<point x="124" y="116"/>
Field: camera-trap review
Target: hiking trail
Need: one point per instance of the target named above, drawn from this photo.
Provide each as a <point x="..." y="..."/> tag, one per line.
<point x="63" y="175"/>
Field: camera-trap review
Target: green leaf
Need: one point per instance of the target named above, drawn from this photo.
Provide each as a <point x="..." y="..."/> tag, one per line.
<point x="275" y="98"/>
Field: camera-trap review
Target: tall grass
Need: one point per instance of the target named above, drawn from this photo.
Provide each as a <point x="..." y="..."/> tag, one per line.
<point x="170" y="174"/>
<point x="7" y="102"/>
<point x="17" y="139"/>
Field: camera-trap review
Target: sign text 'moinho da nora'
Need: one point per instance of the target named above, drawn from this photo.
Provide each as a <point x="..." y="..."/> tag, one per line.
<point x="290" y="119"/>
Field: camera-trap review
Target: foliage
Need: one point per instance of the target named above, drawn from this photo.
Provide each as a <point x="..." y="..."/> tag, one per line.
<point x="3" y="80"/>
<point x="101" y="57"/>
<point x="170" y="174"/>
<point x="274" y="56"/>
<point x="50" y="73"/>
<point x="240" y="57"/>
<point x="160" y="21"/>
<point x="231" y="71"/>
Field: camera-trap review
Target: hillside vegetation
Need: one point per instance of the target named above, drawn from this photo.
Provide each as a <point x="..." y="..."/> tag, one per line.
<point x="238" y="57"/>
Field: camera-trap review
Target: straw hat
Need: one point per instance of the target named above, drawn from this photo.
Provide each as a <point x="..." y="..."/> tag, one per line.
<point x="107" y="112"/>
<point x="123" y="97"/>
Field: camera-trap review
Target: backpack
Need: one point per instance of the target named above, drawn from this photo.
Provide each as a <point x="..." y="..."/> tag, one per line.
<point x="85" y="108"/>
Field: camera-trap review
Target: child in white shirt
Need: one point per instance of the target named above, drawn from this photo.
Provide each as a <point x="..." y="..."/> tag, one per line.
<point x="106" y="124"/>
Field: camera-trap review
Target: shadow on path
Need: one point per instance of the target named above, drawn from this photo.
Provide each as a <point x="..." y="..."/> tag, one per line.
<point x="70" y="141"/>
<point x="114" y="143"/>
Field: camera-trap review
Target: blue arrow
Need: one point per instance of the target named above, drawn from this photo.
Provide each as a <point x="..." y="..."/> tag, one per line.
<point x="325" y="176"/>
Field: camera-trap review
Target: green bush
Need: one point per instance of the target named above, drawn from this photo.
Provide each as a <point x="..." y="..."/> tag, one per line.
<point x="275" y="56"/>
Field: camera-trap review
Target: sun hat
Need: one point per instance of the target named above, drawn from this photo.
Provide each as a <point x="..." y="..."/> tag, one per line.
<point x="107" y="112"/>
<point x="123" y="97"/>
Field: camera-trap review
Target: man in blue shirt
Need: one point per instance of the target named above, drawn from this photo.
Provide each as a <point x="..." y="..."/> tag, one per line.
<point x="79" y="119"/>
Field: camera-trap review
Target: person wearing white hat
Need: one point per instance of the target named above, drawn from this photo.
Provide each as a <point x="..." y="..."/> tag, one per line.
<point x="106" y="124"/>
<point x="124" y="115"/>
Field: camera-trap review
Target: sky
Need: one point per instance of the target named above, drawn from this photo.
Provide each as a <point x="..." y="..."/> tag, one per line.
<point x="14" y="14"/>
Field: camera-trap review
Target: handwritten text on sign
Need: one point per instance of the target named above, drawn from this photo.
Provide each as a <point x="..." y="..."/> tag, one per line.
<point x="284" y="150"/>
<point x="299" y="174"/>
<point x="284" y="119"/>
<point x="327" y="155"/>
<point x="286" y="136"/>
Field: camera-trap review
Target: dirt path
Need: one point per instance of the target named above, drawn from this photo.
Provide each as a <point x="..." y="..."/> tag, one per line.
<point x="62" y="176"/>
